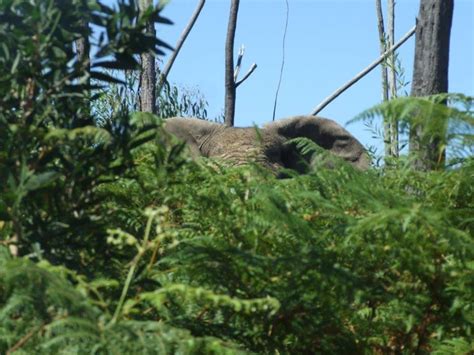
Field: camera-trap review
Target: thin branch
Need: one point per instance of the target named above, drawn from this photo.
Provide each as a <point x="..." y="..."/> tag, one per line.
<point x="250" y="71"/>
<point x="339" y="91"/>
<point x="282" y="60"/>
<point x="239" y="62"/>
<point x="238" y="66"/>
<point x="131" y="272"/>
<point x="179" y="44"/>
<point x="23" y="340"/>
<point x="229" y="65"/>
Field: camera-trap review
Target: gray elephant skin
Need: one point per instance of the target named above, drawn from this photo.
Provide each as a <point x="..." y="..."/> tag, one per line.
<point x="268" y="146"/>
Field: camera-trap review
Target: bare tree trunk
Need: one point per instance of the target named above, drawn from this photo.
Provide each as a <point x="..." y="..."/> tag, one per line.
<point x="82" y="50"/>
<point x="383" y="47"/>
<point x="147" y="93"/>
<point x="392" y="78"/>
<point x="83" y="58"/>
<point x="230" y="87"/>
<point x="430" y="75"/>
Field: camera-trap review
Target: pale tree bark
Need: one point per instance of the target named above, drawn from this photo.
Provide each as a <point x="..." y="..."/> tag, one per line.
<point x="392" y="77"/>
<point x="230" y="88"/>
<point x="387" y="135"/>
<point x="147" y="93"/>
<point x="389" y="74"/>
<point x="82" y="50"/>
<point x="83" y="58"/>
<point x="430" y="75"/>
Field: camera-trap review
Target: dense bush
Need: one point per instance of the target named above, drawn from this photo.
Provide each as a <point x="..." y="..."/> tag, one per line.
<point x="334" y="261"/>
<point x="173" y="101"/>
<point x="52" y="156"/>
<point x="112" y="242"/>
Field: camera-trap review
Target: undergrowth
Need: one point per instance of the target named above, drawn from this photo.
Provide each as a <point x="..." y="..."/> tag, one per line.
<point x="112" y="242"/>
<point x="331" y="262"/>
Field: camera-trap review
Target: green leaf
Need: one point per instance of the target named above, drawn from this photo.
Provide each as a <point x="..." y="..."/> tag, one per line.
<point x="106" y="77"/>
<point x="39" y="181"/>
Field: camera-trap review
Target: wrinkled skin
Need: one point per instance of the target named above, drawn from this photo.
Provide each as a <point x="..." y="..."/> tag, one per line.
<point x="269" y="145"/>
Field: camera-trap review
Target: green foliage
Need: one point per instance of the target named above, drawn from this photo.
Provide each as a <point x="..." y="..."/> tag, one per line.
<point x="42" y="313"/>
<point x="52" y="157"/>
<point x="125" y="246"/>
<point x="446" y="118"/>
<point x="181" y="102"/>
<point x="172" y="101"/>
<point x="356" y="261"/>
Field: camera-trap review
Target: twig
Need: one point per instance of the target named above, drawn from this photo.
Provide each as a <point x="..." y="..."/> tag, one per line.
<point x="282" y="60"/>
<point x="23" y="340"/>
<point x="239" y="62"/>
<point x="179" y="44"/>
<point x="250" y="71"/>
<point x="339" y="91"/>
<point x="131" y="272"/>
<point x="238" y="66"/>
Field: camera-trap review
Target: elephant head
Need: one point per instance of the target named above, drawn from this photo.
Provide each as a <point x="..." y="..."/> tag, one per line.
<point x="269" y="146"/>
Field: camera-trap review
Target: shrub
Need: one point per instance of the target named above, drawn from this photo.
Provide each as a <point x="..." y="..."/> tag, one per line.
<point x="127" y="246"/>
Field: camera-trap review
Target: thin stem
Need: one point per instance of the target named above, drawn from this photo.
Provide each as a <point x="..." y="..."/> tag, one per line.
<point x="131" y="272"/>
<point x="282" y="61"/>
<point x="24" y="340"/>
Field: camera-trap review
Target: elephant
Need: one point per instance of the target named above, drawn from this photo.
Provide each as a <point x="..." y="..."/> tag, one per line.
<point x="269" y="146"/>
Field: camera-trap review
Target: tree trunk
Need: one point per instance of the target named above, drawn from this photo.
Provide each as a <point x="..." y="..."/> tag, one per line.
<point x="385" y="94"/>
<point x="148" y="72"/>
<point x="229" y="65"/>
<point x="392" y="77"/>
<point x="430" y="74"/>
<point x="82" y="50"/>
<point x="83" y="58"/>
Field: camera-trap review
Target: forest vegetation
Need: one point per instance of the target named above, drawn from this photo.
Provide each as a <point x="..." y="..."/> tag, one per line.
<point x="113" y="242"/>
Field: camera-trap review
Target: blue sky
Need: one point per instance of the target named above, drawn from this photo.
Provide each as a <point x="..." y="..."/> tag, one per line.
<point x="328" y="42"/>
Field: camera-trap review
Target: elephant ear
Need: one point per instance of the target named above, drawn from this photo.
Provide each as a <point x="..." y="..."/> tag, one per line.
<point x="327" y="134"/>
<point x="193" y="131"/>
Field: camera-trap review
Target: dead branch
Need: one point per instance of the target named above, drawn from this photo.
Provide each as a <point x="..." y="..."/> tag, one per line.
<point x="179" y="44"/>
<point x="250" y="71"/>
<point x="343" y="88"/>
<point x="239" y="62"/>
